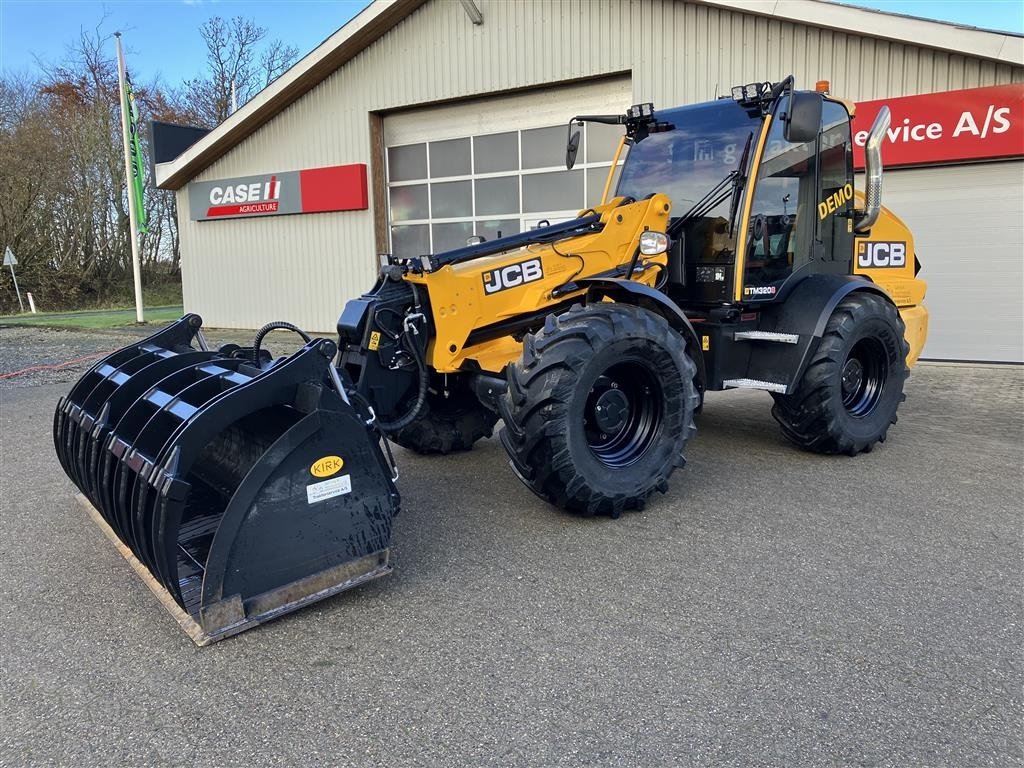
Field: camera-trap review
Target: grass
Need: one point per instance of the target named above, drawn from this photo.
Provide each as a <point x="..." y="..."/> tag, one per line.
<point x="99" y="318"/>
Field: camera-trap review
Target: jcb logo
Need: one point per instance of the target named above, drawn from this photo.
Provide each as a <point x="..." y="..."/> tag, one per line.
<point x="512" y="275"/>
<point x="871" y="255"/>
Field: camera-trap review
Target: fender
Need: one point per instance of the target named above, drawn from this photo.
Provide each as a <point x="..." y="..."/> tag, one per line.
<point x="806" y="310"/>
<point x="653" y="300"/>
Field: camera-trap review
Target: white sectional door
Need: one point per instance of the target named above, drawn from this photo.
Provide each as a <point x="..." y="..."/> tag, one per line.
<point x="968" y="225"/>
<point x="496" y="166"/>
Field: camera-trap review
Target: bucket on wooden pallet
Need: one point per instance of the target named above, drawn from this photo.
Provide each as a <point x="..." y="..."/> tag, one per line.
<point x="246" y="486"/>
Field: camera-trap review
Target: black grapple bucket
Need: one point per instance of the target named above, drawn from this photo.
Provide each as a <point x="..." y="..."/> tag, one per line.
<point x="242" y="491"/>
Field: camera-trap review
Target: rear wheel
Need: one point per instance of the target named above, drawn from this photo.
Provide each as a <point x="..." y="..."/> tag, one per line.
<point x="600" y="408"/>
<point x="849" y="394"/>
<point x="447" y="424"/>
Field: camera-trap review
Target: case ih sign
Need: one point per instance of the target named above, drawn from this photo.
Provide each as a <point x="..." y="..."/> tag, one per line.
<point x="975" y="124"/>
<point x="315" y="190"/>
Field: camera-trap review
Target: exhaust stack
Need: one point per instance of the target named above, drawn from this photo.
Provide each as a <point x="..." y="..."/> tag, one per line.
<point x="873" y="171"/>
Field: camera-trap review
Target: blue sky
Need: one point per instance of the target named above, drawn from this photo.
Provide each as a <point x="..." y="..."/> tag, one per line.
<point x="161" y="37"/>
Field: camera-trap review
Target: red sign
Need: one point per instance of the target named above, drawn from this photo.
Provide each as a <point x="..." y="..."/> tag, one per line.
<point x="339" y="188"/>
<point x="974" y="124"/>
<point x="316" y="190"/>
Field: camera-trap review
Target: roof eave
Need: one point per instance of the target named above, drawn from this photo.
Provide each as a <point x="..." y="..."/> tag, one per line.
<point x="364" y="29"/>
<point x="1003" y="47"/>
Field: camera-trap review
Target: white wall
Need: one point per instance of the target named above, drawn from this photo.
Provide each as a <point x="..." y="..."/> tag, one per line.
<point x="242" y="273"/>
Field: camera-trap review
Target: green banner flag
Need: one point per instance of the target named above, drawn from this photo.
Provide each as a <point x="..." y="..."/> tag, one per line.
<point x="138" y="169"/>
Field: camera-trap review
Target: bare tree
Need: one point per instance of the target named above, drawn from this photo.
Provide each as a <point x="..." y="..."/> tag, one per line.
<point x="277" y="58"/>
<point x="63" y="195"/>
<point x="233" y="56"/>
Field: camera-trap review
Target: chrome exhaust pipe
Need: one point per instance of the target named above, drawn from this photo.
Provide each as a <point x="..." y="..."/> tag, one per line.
<point x="873" y="172"/>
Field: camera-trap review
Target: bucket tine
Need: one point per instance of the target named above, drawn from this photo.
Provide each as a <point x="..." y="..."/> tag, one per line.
<point x="208" y="381"/>
<point x="114" y="406"/>
<point x="175" y="337"/>
<point x="136" y="440"/>
<point x="229" y="433"/>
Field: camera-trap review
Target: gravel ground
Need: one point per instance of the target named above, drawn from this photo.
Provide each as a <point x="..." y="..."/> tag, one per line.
<point x="775" y="608"/>
<point x="24" y="347"/>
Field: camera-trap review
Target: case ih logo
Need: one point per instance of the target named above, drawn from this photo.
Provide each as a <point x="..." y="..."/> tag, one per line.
<point x="252" y="198"/>
<point x="338" y="188"/>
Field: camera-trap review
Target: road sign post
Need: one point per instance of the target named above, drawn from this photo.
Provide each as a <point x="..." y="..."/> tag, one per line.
<point x="10" y="261"/>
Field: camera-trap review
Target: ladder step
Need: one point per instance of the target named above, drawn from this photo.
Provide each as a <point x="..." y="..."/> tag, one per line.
<point x="770" y="386"/>
<point x="782" y="338"/>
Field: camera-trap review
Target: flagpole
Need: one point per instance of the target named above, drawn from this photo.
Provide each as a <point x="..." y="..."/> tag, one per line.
<point x="132" y="216"/>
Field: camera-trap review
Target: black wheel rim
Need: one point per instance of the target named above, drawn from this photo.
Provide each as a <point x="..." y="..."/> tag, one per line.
<point x="863" y="377"/>
<point x="623" y="414"/>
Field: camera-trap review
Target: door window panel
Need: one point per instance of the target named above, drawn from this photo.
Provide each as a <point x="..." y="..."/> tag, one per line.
<point x="545" y="147"/>
<point x="447" y="237"/>
<point x="596" y="178"/>
<point x="559" y="191"/>
<point x="449" y="158"/>
<point x="602" y="141"/>
<point x="410" y="240"/>
<point x="497" y="195"/>
<point x="451" y="199"/>
<point x="407" y="163"/>
<point x="409" y="202"/>
<point x="492" y="229"/>
<point x="496" y="152"/>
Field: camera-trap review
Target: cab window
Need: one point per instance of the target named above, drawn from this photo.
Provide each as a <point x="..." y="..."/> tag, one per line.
<point x="835" y="207"/>
<point x="802" y="205"/>
<point x="782" y="212"/>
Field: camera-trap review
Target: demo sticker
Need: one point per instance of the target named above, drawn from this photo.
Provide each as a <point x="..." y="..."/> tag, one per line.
<point x="328" y="489"/>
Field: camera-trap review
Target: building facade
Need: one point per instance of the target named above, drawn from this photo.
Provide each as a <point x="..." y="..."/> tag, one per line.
<point x="456" y="113"/>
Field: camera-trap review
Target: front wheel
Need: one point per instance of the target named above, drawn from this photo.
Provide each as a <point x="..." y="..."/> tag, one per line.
<point x="599" y="408"/>
<point x="848" y="396"/>
<point x="447" y="424"/>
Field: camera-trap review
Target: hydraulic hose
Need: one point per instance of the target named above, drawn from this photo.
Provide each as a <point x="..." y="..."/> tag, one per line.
<point x="421" y="395"/>
<point x="274" y="326"/>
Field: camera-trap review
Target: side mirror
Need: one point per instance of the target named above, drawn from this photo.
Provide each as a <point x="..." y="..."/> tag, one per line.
<point x="803" y="118"/>
<point x="572" y="148"/>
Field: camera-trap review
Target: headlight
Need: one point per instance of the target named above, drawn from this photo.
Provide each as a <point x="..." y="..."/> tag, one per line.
<point x="653" y="243"/>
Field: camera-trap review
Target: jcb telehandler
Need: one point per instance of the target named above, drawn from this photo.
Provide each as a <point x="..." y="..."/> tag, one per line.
<point x="733" y="254"/>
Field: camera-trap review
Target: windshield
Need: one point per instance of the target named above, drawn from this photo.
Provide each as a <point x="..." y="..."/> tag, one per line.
<point x="688" y="162"/>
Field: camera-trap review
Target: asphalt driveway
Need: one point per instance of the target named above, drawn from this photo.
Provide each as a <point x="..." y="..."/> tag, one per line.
<point x="774" y="608"/>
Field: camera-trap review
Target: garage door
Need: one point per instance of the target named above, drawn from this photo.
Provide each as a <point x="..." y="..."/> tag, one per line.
<point x="495" y="167"/>
<point x="968" y="225"/>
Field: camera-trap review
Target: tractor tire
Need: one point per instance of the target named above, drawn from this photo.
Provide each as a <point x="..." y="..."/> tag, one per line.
<point x="848" y="395"/>
<point x="446" y="425"/>
<point x="599" y="408"/>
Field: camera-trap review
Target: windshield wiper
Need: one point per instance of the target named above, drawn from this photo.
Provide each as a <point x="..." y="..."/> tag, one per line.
<point x="737" y="183"/>
<point x="729" y="186"/>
